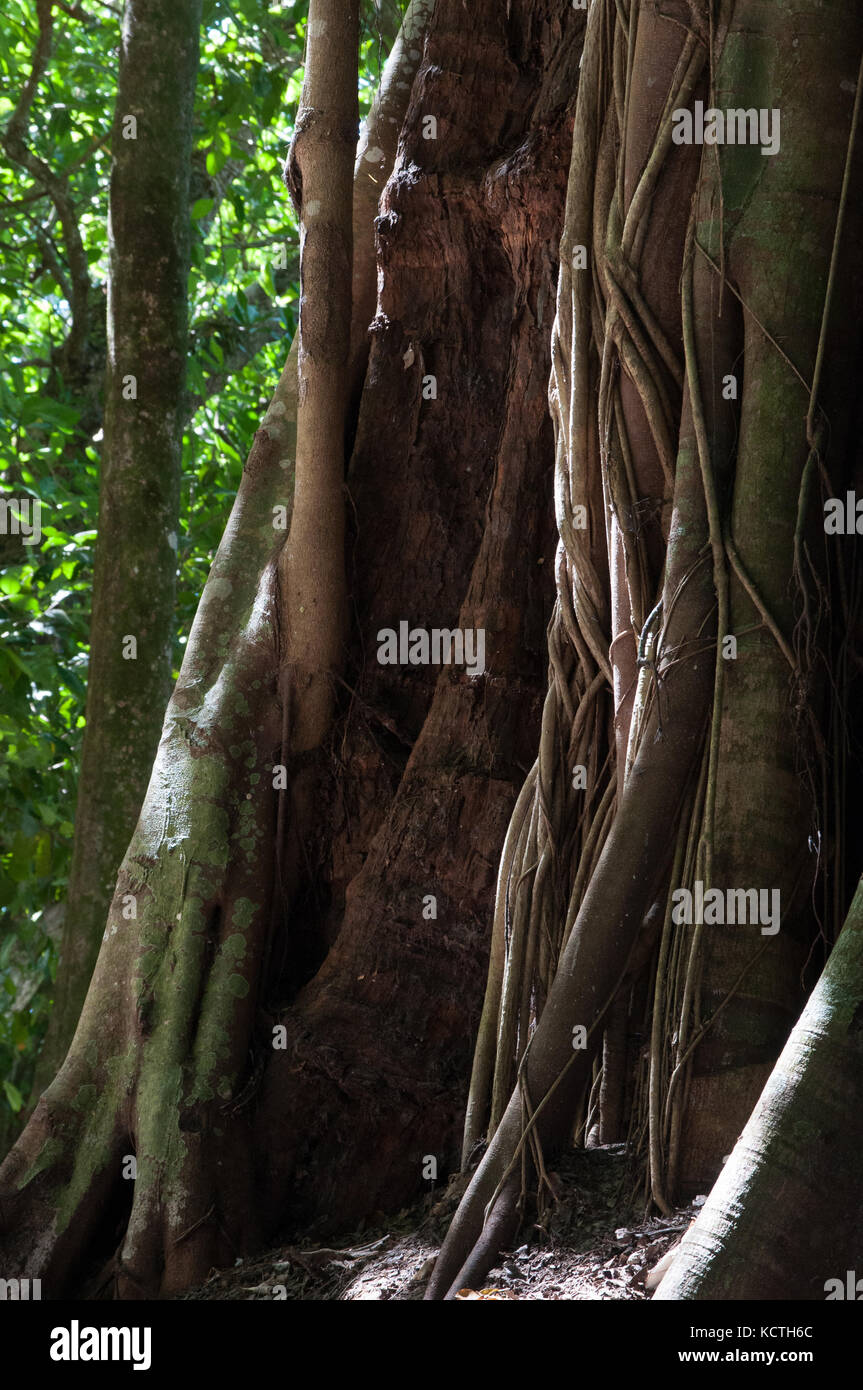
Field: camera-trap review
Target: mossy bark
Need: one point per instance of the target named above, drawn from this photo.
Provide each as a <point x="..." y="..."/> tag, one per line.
<point x="174" y="1035"/>
<point x="161" y="1051"/>
<point x="450" y="493"/>
<point x="139" y="491"/>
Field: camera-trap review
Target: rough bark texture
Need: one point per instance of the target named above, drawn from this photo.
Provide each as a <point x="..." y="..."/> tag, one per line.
<point x="136" y="551"/>
<point x="375" y="157"/>
<point x="611" y="913"/>
<point x="274" y="1068"/>
<point x="428" y="762"/>
<point x="430" y="759"/>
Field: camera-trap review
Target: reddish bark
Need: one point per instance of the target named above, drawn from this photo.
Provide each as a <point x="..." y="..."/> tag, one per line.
<point x="453" y="527"/>
<point x="450" y="503"/>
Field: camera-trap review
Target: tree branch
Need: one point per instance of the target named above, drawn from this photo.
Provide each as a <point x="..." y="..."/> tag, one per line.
<point x="57" y="190"/>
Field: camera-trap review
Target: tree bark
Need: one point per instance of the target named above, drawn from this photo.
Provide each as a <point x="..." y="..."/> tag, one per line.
<point x="280" y="1061"/>
<point x="136" y="551"/>
<point x="785" y="1216"/>
<point x="770" y="805"/>
<point x="644" y="281"/>
<point x="160" y="1069"/>
<point x="375" y="157"/>
<point x="319" y="173"/>
<point x="429" y="761"/>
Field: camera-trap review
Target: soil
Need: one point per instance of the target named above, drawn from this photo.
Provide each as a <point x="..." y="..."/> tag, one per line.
<point x="594" y="1242"/>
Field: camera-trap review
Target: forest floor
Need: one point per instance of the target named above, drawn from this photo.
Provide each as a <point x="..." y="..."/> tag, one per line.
<point x="595" y="1243"/>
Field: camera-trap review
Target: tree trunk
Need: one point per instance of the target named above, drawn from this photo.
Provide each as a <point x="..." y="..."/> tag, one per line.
<point x="755" y="984"/>
<point x="375" y="157"/>
<point x="781" y="1221"/>
<point x="319" y="172"/>
<point x="132" y="624"/>
<point x="367" y="1084"/>
<point x="785" y="1218"/>
<point x="279" y="1051"/>
<point x="664" y="291"/>
<point x="173" y="1063"/>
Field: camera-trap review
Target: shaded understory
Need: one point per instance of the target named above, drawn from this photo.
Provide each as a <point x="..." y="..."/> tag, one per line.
<point x="594" y="1244"/>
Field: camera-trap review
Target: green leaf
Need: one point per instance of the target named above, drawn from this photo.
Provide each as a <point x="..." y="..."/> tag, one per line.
<point x="13" y="1095"/>
<point x="215" y="161"/>
<point x="267" y="279"/>
<point x="42" y="857"/>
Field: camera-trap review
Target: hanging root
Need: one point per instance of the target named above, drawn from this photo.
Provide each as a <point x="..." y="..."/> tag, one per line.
<point x="565" y="921"/>
<point x="597" y="952"/>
